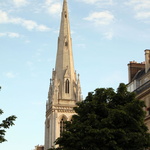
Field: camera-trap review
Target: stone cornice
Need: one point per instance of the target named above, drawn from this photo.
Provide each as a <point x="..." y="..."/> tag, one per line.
<point x="143" y="94"/>
<point x="58" y="108"/>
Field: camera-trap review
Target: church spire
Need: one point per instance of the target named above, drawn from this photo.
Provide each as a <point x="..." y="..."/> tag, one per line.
<point x="64" y="61"/>
<point x="64" y="84"/>
<point x="64" y="53"/>
<point x="64" y="91"/>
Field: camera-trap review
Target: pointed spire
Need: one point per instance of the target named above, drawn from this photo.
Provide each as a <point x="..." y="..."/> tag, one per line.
<point x="65" y="5"/>
<point x="65" y="84"/>
<point x="64" y="52"/>
<point x="65" y="25"/>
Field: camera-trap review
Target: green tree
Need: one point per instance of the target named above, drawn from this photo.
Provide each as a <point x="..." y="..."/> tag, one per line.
<point x="9" y="121"/>
<point x="107" y="120"/>
<point x="5" y="124"/>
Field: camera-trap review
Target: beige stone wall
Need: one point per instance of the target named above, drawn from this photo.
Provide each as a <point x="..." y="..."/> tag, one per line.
<point x="147" y="102"/>
<point x="145" y="96"/>
<point x="53" y="124"/>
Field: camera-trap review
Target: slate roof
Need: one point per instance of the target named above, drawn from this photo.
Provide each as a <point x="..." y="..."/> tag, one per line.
<point x="139" y="74"/>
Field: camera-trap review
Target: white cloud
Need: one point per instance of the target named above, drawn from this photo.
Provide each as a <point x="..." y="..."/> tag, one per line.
<point x="43" y="28"/>
<point x="90" y="1"/>
<point x="143" y="15"/>
<point x="2" y="34"/>
<point x="3" y="17"/>
<point x="98" y="2"/>
<point x="138" y="4"/>
<point x="10" y="34"/>
<point x="48" y="2"/>
<point x="101" y="18"/>
<point x="13" y="35"/>
<point x="28" y="24"/>
<point x="20" y="3"/>
<point x="10" y="75"/>
<point x="141" y="8"/>
<point x="54" y="8"/>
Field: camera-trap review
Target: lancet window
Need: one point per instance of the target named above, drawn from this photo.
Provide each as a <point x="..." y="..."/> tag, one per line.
<point x="67" y="86"/>
<point x="62" y="125"/>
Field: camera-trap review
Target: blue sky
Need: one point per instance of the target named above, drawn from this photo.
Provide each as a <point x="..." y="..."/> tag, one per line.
<point x="106" y="35"/>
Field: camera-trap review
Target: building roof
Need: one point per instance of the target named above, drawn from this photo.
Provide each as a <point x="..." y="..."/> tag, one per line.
<point x="139" y="74"/>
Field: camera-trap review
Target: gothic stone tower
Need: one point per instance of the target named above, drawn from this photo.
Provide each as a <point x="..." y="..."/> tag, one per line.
<point x="64" y="90"/>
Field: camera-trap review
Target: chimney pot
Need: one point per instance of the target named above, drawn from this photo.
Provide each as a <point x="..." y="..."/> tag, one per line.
<point x="147" y="60"/>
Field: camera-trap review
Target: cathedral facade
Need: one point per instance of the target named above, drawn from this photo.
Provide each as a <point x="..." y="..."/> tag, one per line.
<point x="64" y="90"/>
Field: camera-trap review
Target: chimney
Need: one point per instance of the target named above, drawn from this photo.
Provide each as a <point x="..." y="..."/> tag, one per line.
<point x="147" y="60"/>
<point x="133" y="68"/>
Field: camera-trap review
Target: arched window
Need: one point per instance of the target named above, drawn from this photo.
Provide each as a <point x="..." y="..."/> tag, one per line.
<point x="62" y="125"/>
<point x="67" y="86"/>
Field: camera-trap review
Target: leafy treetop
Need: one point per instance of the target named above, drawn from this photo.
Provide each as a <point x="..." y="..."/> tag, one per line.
<point x="107" y="120"/>
<point x="5" y="124"/>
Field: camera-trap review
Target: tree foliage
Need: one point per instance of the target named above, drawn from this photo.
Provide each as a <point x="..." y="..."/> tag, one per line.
<point x="5" y="124"/>
<point x="9" y="121"/>
<point x="107" y="120"/>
